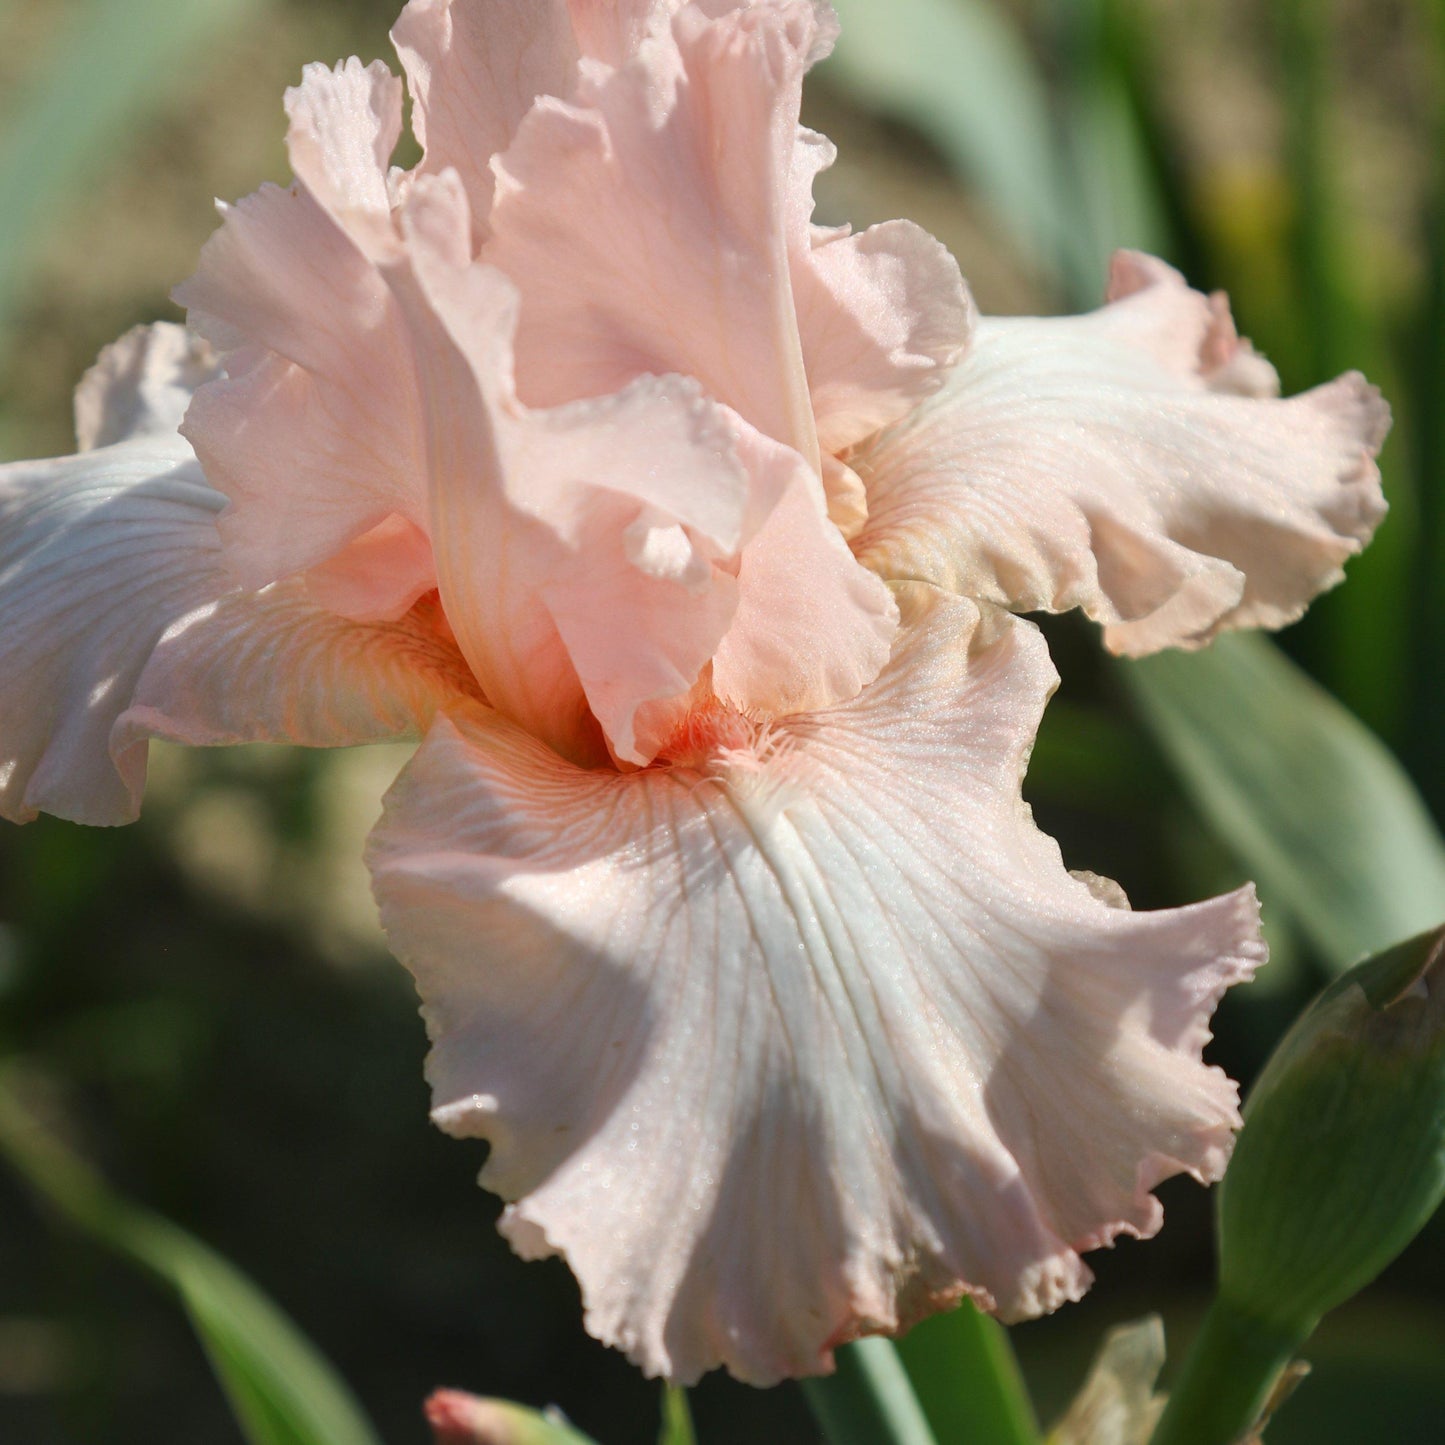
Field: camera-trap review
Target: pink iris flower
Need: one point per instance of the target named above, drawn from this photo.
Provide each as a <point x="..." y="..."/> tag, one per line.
<point x="687" y="536"/>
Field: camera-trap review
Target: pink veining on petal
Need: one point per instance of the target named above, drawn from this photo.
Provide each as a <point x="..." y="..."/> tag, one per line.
<point x="1133" y="462"/>
<point x="922" y="1060"/>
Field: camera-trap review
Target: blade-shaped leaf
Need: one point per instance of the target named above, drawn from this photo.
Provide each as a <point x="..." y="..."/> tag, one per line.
<point x="281" y="1389"/>
<point x="1308" y="798"/>
<point x="112" y="62"/>
<point x="958" y="71"/>
<point x="967" y="1379"/>
<point x="868" y="1400"/>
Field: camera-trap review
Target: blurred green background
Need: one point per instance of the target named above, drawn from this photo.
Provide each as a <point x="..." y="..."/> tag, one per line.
<point x="202" y="1005"/>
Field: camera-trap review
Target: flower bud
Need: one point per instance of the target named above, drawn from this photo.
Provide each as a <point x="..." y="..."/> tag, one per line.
<point x="457" y="1418"/>
<point x="1342" y="1156"/>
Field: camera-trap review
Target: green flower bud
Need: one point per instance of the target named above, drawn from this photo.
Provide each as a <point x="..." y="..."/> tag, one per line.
<point x="1340" y="1162"/>
<point x="1342" y="1156"/>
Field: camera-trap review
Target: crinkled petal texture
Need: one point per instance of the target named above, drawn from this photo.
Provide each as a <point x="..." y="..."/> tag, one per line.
<point x="661" y="224"/>
<point x="123" y="623"/>
<point x="474" y="71"/>
<point x="591" y="556"/>
<point x="1131" y="462"/>
<point x="314" y="435"/>
<point x="811" y="1037"/>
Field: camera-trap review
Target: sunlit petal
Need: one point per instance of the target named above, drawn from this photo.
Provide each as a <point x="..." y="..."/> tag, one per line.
<point x="1128" y="462"/>
<point x="662" y="224"/>
<point x="123" y="622"/>
<point x="314" y="434"/>
<point x="816" y="1034"/>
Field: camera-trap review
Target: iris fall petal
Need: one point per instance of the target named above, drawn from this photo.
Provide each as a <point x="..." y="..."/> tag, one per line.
<point x="809" y="1036"/>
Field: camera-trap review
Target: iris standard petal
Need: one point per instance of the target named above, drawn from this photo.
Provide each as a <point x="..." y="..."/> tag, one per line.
<point x="314" y="432"/>
<point x="474" y="71"/>
<point x="647" y="228"/>
<point x="1126" y="462"/>
<point x="810" y="1033"/>
<point x="586" y="553"/>
<point x="662" y="223"/>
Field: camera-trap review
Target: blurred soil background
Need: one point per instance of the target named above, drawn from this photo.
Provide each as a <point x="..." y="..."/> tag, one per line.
<point x="203" y="1005"/>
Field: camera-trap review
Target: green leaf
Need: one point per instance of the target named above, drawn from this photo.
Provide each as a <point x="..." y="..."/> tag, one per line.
<point x="676" y="1418"/>
<point x="960" y="73"/>
<point x="1308" y="798"/>
<point x="281" y="1389"/>
<point x="1367" y="624"/>
<point x="868" y="1400"/>
<point x="1107" y="181"/>
<point x="108" y="67"/>
<point x="963" y="1369"/>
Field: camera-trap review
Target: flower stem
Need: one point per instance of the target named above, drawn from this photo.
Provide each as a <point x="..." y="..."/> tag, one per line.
<point x="868" y="1400"/>
<point x="1228" y="1377"/>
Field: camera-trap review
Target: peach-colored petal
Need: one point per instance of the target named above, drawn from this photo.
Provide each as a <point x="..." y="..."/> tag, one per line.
<point x="1129" y="462"/>
<point x="585" y="554"/>
<point x="344" y="125"/>
<point x="613" y="30"/>
<point x="314" y="434"/>
<point x="661" y="224"/>
<point x="474" y="70"/>
<point x="649" y="231"/>
<point x="883" y="315"/>
<point x="815" y="1035"/>
<point x="378" y="576"/>
<point x="812" y="626"/>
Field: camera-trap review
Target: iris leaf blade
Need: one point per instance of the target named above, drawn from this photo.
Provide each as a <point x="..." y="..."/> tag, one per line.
<point x="104" y="72"/>
<point x="869" y="1400"/>
<point x="283" y="1392"/>
<point x="960" y="73"/>
<point x="1310" y="800"/>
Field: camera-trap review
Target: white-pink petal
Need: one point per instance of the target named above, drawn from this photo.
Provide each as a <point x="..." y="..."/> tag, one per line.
<point x="141" y="385"/>
<point x="344" y="126"/>
<point x="1132" y="463"/>
<point x="815" y="1035"/>
<point x="884" y="316"/>
<point x="123" y="622"/>
<point x="99" y="554"/>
